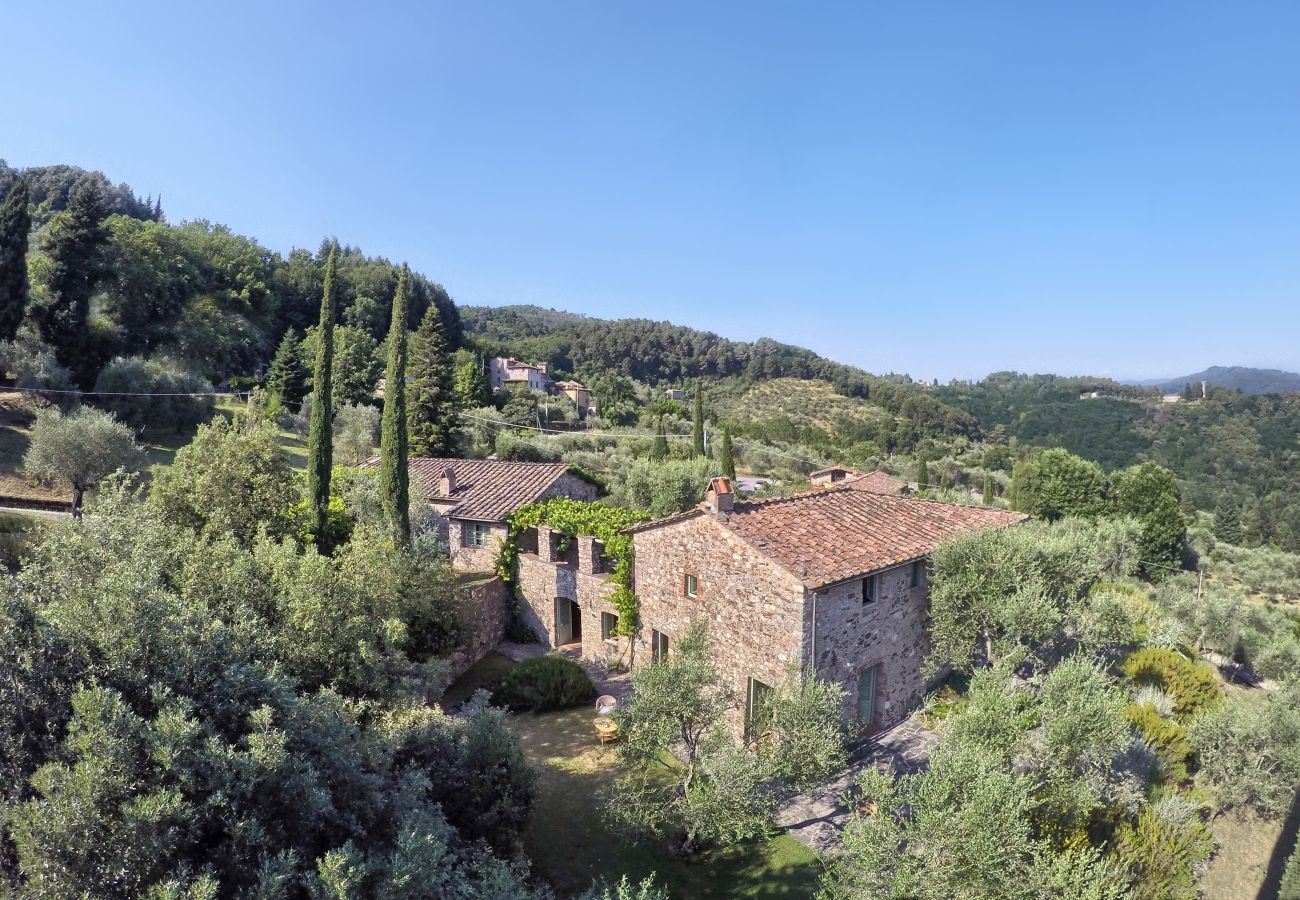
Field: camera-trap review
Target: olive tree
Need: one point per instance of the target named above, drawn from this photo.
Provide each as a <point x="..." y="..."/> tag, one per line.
<point x="688" y="777"/>
<point x="78" y="450"/>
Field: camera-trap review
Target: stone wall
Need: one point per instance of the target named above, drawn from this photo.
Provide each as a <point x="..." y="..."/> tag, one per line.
<point x="575" y="574"/>
<point x="483" y="608"/>
<point x="891" y="635"/>
<point x="571" y="486"/>
<point x="474" y="559"/>
<point x="754" y="608"/>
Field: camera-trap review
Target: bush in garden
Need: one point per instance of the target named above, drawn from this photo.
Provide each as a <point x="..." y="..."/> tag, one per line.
<point x="544" y="683"/>
<point x="1163" y="848"/>
<point x="1167" y="738"/>
<point x="1191" y="683"/>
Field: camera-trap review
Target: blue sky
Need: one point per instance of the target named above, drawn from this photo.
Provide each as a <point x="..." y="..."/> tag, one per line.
<point x="944" y="189"/>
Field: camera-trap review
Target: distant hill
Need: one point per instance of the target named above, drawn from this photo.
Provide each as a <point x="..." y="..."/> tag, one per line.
<point x="1239" y="378"/>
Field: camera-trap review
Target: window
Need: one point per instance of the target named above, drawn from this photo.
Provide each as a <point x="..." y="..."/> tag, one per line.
<point x="658" y="645"/>
<point x="608" y="622"/>
<point x="475" y="534"/>
<point x="690" y="586"/>
<point x="916" y="573"/>
<point x="869" y="590"/>
<point x="758" y="697"/>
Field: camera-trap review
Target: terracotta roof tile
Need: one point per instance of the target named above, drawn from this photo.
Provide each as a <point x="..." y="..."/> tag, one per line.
<point x="832" y="535"/>
<point x="876" y="483"/>
<point x="485" y="489"/>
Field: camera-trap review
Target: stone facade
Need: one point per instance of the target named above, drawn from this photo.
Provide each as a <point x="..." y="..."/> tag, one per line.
<point x="482" y="610"/>
<point x="754" y="609"/>
<point x="577" y="574"/>
<point x="474" y="559"/>
<point x="889" y="635"/>
<point x="451" y="530"/>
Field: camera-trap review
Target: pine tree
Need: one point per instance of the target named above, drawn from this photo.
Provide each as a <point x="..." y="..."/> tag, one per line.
<point x="74" y="246"/>
<point x="430" y="408"/>
<point x="394" y="477"/>
<point x="286" y="379"/>
<point x="1227" y="522"/>
<point x="697" y="433"/>
<point x="320" y="447"/>
<point x="472" y="386"/>
<point x="988" y="489"/>
<point x="728" y="460"/>
<point x="15" y="223"/>
<point x="659" y="449"/>
<point x="922" y="473"/>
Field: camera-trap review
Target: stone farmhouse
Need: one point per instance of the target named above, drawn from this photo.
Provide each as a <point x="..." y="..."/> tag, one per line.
<point x="833" y="581"/>
<point x="473" y="497"/>
<point x="874" y="482"/>
<point x="504" y="371"/>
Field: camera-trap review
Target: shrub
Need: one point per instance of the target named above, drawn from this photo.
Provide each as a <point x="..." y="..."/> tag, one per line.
<point x="1289" y="889"/>
<point x="1162" y="849"/>
<point x="544" y="683"/>
<point x="125" y="376"/>
<point x="1191" y="683"/>
<point x="15" y="533"/>
<point x="1168" y="739"/>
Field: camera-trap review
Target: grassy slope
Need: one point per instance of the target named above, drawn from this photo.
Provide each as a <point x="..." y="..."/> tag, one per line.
<point x="813" y="404"/>
<point x="160" y="446"/>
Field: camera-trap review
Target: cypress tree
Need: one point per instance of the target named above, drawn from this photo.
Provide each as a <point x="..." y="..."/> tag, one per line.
<point x="287" y="377"/>
<point x="988" y="489"/>
<point x="74" y="246"/>
<point x="728" y="460"/>
<point x="659" y="450"/>
<point x="431" y="390"/>
<point x="697" y="434"/>
<point x="320" y="447"/>
<point x="394" y="477"/>
<point x="1227" y="522"/>
<point x="15" y="223"/>
<point x="922" y="473"/>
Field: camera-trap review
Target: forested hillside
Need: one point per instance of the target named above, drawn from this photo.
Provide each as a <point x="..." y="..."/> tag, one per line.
<point x="109" y="277"/>
<point x="1230" y="449"/>
<point x="1236" y="378"/>
<point x="663" y="354"/>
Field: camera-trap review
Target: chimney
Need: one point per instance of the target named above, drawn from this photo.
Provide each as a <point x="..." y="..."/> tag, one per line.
<point x="447" y="482"/>
<point x="720" y="496"/>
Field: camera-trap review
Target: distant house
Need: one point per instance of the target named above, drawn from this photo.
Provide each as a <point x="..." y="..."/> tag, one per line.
<point x="473" y="497"/>
<point x="875" y="482"/>
<point x="1170" y="398"/>
<point x="675" y="394"/>
<point x="1090" y="395"/>
<point x="506" y="371"/>
<point x="580" y="395"/>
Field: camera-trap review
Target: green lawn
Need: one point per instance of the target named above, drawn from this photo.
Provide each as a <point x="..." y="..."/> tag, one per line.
<point x="570" y="844"/>
<point x="486" y="673"/>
